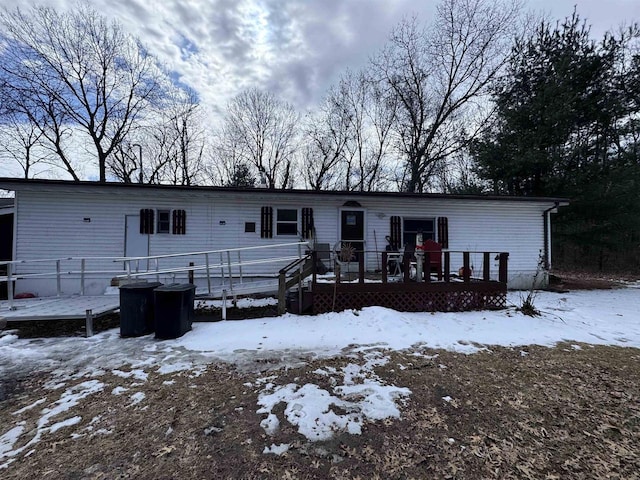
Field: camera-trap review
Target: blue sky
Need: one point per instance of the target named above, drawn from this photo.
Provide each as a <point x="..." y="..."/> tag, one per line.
<point x="295" y="48"/>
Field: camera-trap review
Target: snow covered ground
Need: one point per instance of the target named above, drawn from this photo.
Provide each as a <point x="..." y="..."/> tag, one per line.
<point x="610" y="317"/>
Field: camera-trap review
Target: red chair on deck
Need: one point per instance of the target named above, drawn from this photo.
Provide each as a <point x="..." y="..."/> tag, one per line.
<point x="434" y="249"/>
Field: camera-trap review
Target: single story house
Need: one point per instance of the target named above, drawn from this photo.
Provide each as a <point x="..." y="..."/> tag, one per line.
<point x="58" y="219"/>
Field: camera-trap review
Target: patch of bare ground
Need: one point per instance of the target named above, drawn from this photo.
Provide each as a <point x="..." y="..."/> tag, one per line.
<point x="527" y="412"/>
<point x="573" y="280"/>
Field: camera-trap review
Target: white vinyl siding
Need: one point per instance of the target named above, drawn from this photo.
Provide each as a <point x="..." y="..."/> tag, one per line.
<point x="51" y="223"/>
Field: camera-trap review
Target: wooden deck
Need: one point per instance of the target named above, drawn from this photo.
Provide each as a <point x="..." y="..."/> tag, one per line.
<point x="410" y="297"/>
<point x="409" y="290"/>
<point x="76" y="307"/>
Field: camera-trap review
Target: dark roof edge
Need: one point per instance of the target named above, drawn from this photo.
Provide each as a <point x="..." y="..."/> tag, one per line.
<point x="15" y="183"/>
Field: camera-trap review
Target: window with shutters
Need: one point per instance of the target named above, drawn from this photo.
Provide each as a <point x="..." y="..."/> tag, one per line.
<point x="287" y="221"/>
<point x="413" y="226"/>
<point x="164" y="221"/>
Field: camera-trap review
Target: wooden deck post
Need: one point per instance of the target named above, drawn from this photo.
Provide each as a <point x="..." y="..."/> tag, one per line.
<point x="447" y="267"/>
<point x="385" y="260"/>
<point x="191" y="264"/>
<point x="502" y="272"/>
<point x="426" y="266"/>
<point x="58" y="282"/>
<point x="282" y="292"/>
<point x="406" y="264"/>
<point x="361" y="267"/>
<point x="10" y="285"/>
<point x="486" y="273"/>
<point x="88" y="322"/>
<point x="466" y="269"/>
<point x="314" y="259"/>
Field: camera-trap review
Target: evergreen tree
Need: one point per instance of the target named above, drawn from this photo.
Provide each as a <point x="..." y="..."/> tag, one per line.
<point x="567" y="125"/>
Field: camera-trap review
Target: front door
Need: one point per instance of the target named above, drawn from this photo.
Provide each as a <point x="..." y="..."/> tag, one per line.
<point x="352" y="231"/>
<point x="136" y="244"/>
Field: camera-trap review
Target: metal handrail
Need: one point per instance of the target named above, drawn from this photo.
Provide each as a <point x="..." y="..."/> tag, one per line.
<point x="224" y="250"/>
<point x="226" y="267"/>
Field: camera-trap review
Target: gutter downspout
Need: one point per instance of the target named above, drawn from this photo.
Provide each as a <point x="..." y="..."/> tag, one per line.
<point x="547" y="234"/>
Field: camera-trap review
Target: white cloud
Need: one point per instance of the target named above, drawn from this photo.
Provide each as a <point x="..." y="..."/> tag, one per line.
<point x="295" y="48"/>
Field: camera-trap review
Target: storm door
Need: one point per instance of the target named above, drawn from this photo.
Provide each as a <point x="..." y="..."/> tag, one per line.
<point x="352" y="231"/>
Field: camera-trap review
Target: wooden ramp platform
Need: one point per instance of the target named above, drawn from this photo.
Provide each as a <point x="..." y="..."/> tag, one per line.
<point x="267" y="286"/>
<point x="76" y="307"/>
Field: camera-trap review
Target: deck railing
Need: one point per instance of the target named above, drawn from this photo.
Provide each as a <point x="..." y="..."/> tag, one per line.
<point x="463" y="280"/>
<point x="409" y="267"/>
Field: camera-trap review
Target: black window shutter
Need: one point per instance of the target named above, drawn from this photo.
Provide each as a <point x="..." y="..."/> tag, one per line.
<point x="443" y="232"/>
<point x="146" y="220"/>
<point x="266" y="222"/>
<point x="307" y="223"/>
<point x="179" y="222"/>
<point x="395" y="232"/>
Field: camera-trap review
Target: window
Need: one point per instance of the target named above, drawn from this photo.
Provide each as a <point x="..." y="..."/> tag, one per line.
<point x="249" y="227"/>
<point x="164" y="221"/>
<point x="413" y="226"/>
<point x="287" y="221"/>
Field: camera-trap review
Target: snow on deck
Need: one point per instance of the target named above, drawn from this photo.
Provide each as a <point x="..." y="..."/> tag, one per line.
<point x="55" y="308"/>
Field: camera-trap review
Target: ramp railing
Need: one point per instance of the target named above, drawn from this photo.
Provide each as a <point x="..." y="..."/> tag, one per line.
<point x="230" y="264"/>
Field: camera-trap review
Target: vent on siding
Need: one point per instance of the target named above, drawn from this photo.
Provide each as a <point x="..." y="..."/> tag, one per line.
<point x="266" y="222"/>
<point x="395" y="232"/>
<point x="146" y="220"/>
<point x="179" y="222"/>
<point x="443" y="232"/>
<point x="307" y="223"/>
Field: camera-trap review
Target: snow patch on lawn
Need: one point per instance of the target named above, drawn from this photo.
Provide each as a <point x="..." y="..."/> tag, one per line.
<point x="69" y="399"/>
<point x="319" y="413"/>
<point x="277" y="449"/>
<point x="137" y="373"/>
<point x="137" y="398"/>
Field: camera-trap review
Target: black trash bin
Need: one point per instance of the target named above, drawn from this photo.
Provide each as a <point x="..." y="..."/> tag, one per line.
<point x="174" y="309"/>
<point x="136" y="308"/>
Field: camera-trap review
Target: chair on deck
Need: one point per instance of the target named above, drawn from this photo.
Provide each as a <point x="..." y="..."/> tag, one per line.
<point x="434" y="249"/>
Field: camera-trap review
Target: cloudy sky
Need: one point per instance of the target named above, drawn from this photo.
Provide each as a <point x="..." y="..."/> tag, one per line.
<point x="296" y="48"/>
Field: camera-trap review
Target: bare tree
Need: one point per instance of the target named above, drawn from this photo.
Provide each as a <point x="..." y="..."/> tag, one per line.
<point x="178" y="142"/>
<point x="172" y="141"/>
<point x="348" y="139"/>
<point x="326" y="135"/>
<point x="371" y="116"/>
<point x="228" y="159"/>
<point x="262" y="131"/>
<point x="19" y="141"/>
<point x="74" y="70"/>
<point x="438" y="76"/>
